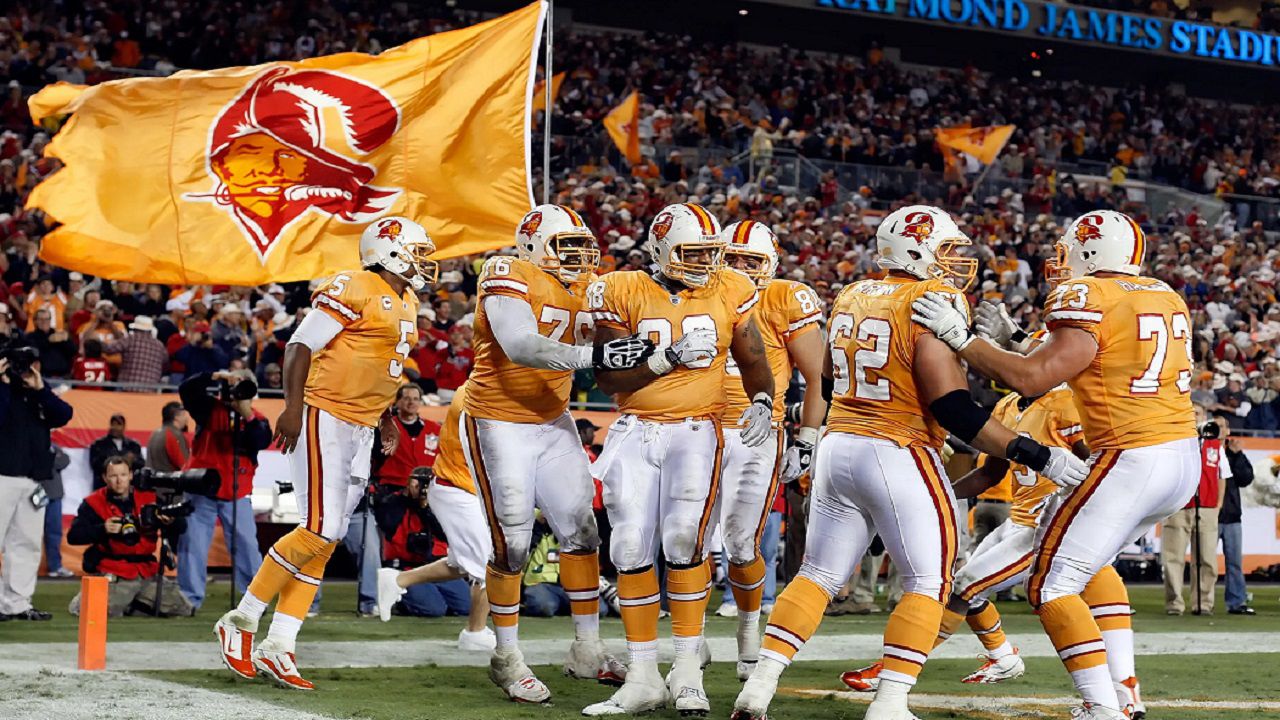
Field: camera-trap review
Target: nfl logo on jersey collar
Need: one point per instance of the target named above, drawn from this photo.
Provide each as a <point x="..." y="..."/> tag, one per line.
<point x="675" y="299"/>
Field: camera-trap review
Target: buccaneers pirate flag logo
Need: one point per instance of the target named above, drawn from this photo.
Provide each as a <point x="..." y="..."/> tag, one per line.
<point x="269" y="173"/>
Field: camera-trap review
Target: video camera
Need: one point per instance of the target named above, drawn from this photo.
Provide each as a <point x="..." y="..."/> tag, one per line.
<point x="199" y="482"/>
<point x="21" y="358"/>
<point x="229" y="392"/>
<point x="151" y="517"/>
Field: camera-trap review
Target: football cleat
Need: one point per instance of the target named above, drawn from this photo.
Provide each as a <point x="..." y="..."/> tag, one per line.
<point x="1089" y="711"/>
<point x="235" y="632"/>
<point x="389" y="592"/>
<point x="685" y="684"/>
<point x="1129" y="693"/>
<point x="727" y="610"/>
<point x="745" y="668"/>
<point x="508" y="671"/>
<point x="885" y="711"/>
<point x="642" y="692"/>
<point x="478" y="641"/>
<point x="753" y="701"/>
<point x="865" y="680"/>
<point x="994" y="671"/>
<point x="588" y="660"/>
<point x="279" y="665"/>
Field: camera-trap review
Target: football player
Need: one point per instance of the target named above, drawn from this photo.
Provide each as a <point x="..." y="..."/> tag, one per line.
<point x="896" y="391"/>
<point x="341" y="370"/>
<point x="789" y="316"/>
<point x="1123" y="343"/>
<point x="520" y="442"/>
<point x="452" y="499"/>
<point x="662" y="459"/>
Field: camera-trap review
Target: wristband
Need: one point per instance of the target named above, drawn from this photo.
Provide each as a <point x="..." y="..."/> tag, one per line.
<point x="660" y="364"/>
<point x="1018" y="336"/>
<point x="807" y="435"/>
<point x="764" y="399"/>
<point x="1025" y="451"/>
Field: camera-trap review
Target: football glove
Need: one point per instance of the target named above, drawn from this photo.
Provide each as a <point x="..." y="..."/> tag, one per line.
<point x="1064" y="469"/>
<point x="799" y="457"/>
<point x="991" y="320"/>
<point x="943" y="315"/>
<point x="622" y="353"/>
<point x="756" y="420"/>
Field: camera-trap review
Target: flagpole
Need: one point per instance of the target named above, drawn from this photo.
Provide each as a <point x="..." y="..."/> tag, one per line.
<point x="546" y="110"/>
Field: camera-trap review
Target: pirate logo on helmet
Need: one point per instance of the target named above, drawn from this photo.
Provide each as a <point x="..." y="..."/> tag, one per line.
<point x="284" y="147"/>
<point x="531" y="223"/>
<point x="1089" y="228"/>
<point x="919" y="226"/>
<point x="662" y="225"/>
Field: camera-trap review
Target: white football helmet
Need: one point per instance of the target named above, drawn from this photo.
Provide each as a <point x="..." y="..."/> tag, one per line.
<point x="555" y="238"/>
<point x="924" y="241"/>
<point x="685" y="242"/>
<point x="1100" y="241"/>
<point x="401" y="247"/>
<point x="754" y="240"/>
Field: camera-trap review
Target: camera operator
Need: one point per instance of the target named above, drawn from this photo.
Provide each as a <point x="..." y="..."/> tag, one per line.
<point x="414" y="538"/>
<point x="28" y="411"/>
<point x="123" y="525"/>
<point x="211" y="400"/>
<point x="1197" y="523"/>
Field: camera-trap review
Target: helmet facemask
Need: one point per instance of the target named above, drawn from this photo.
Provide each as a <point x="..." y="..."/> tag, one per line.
<point x="952" y="262"/>
<point x="760" y="270"/>
<point x="411" y="262"/>
<point x="693" y="263"/>
<point x="572" y="257"/>
<point x="1057" y="271"/>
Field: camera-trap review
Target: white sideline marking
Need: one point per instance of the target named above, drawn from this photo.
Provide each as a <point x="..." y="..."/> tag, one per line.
<point x="1005" y="703"/>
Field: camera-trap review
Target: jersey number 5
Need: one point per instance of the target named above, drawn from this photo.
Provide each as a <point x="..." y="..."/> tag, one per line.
<point x="396" y="369"/>
<point x="873" y="330"/>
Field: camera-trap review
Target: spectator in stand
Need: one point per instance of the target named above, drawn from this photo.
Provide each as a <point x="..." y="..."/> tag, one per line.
<point x="1233" y="405"/>
<point x="152" y="302"/>
<point x="7" y="329"/>
<point x="413" y="538"/>
<point x="1230" y="527"/>
<point x="235" y="456"/>
<point x="228" y="331"/>
<point x="123" y="539"/>
<point x="46" y="297"/>
<point x="455" y="366"/>
<point x="168" y="448"/>
<point x="57" y="349"/>
<point x="432" y="346"/>
<point x="273" y="379"/>
<point x="104" y="328"/>
<point x="82" y="315"/>
<point x="28" y="412"/>
<point x="142" y="357"/>
<point x="91" y="368"/>
<point x="114" y="443"/>
<point x="200" y="355"/>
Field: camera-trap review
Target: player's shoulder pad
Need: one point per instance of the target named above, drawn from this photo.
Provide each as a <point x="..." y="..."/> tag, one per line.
<point x="507" y="275"/>
<point x="738" y="290"/>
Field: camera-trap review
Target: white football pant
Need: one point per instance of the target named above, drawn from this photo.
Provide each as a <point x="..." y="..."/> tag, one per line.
<point x="749" y="481"/>
<point x="329" y="468"/>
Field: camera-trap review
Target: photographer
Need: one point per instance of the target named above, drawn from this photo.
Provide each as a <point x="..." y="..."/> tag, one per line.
<point x="28" y="411"/>
<point x="123" y="525"/>
<point x="1197" y="524"/>
<point x="414" y="538"/>
<point x="211" y="401"/>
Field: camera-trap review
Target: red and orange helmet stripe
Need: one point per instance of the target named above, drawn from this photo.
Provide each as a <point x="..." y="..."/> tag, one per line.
<point x="705" y="220"/>
<point x="1139" y="242"/>
<point x="574" y="217"/>
<point x="742" y="233"/>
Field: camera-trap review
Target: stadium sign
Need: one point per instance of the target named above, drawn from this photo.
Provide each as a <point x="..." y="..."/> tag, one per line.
<point x="1030" y="18"/>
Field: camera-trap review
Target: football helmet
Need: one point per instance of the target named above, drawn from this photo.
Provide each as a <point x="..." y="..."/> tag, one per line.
<point x="1100" y="241"/>
<point x="685" y="242"/>
<point x="754" y="240"/>
<point x="924" y="241"/>
<point x="401" y="247"/>
<point x="555" y="238"/>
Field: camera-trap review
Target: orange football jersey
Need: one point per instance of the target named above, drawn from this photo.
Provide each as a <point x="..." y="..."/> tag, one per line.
<point x="451" y="464"/>
<point x="1137" y="390"/>
<point x="787" y="309"/>
<point x="1050" y="420"/>
<point x="873" y="344"/>
<point x="354" y="378"/>
<point x="635" y="303"/>
<point x="501" y="389"/>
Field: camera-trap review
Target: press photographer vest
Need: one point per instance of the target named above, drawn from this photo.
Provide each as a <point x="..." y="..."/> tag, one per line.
<point x="113" y="557"/>
<point x="410" y="453"/>
<point x="1211" y="457"/>
<point x="211" y="448"/>
<point x="396" y="547"/>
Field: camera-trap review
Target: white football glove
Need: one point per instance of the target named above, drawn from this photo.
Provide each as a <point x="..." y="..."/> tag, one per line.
<point x="799" y="457"/>
<point x="991" y="320"/>
<point x="694" y="346"/>
<point x="1064" y="468"/>
<point x="943" y="315"/>
<point x="757" y="420"/>
<point x="622" y="353"/>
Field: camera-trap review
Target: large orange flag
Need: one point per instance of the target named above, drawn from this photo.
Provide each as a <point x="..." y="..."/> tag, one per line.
<point x="984" y="143"/>
<point x="623" y="124"/>
<point x="269" y="173"/>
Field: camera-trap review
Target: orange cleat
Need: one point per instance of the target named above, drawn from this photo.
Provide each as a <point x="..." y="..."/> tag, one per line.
<point x="865" y="680"/>
<point x="280" y="666"/>
<point x="235" y="639"/>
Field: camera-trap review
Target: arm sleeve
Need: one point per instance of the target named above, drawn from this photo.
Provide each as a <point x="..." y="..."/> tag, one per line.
<point x="388" y="515"/>
<point x="87" y="528"/>
<point x="56" y="411"/>
<point x="317" y="330"/>
<point x="516" y="331"/>
<point x="742" y="297"/>
<point x="194" y="393"/>
<point x="1241" y="468"/>
<point x="503" y="276"/>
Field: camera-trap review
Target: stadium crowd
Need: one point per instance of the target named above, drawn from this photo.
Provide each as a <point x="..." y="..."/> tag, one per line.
<point x="863" y="110"/>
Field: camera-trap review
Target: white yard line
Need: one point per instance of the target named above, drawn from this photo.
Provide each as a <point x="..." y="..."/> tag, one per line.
<point x="1015" y="706"/>
<point x="32" y="657"/>
<point x="75" y="695"/>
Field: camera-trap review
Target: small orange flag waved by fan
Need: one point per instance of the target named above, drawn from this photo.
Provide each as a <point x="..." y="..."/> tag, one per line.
<point x="269" y="173"/>
<point x="983" y="143"/>
<point x="540" y="94"/>
<point x="623" y="124"/>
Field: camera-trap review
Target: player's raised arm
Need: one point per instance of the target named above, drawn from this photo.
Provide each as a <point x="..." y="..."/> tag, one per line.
<point x="944" y="390"/>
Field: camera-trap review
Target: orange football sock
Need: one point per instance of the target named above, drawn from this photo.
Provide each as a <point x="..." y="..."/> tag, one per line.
<point x="638" y="598"/>
<point x="795" y="618"/>
<point x="503" y="589"/>
<point x="687" y="598"/>
<point x="747" y="583"/>
<point x="297" y="595"/>
<point x="909" y="636"/>
<point x="951" y="621"/>
<point x="284" y="559"/>
<point x="580" y="577"/>
<point x="985" y="623"/>
<point x="1074" y="634"/>
<point x="1108" y="600"/>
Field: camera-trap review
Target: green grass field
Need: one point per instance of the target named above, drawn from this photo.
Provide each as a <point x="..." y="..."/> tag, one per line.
<point x="464" y="693"/>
